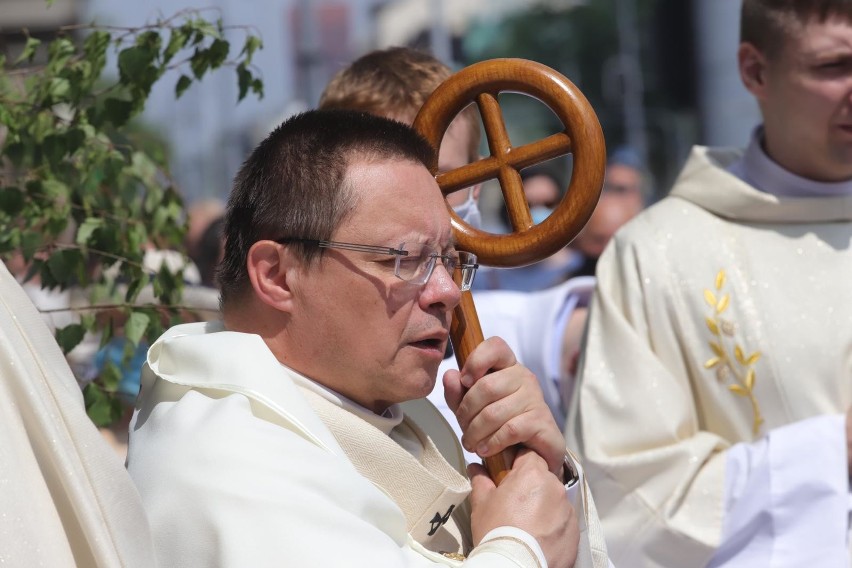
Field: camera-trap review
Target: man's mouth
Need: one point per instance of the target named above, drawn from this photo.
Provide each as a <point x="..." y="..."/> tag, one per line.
<point x="432" y="343"/>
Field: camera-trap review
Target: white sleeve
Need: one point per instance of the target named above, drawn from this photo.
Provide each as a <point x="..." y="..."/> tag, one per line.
<point x="787" y="498"/>
<point x="510" y="544"/>
<point x="541" y="326"/>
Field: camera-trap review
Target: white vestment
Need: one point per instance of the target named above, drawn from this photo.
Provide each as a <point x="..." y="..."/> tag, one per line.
<point x="65" y="499"/>
<point x="240" y="462"/>
<point x="719" y="342"/>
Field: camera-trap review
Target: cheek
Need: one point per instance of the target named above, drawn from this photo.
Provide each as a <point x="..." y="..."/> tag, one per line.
<point x="823" y="96"/>
<point x="401" y="299"/>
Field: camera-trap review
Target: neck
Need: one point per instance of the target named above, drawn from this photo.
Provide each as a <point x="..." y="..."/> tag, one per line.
<point x="759" y="170"/>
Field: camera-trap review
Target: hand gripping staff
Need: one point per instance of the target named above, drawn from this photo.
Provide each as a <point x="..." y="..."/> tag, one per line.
<point x="481" y="84"/>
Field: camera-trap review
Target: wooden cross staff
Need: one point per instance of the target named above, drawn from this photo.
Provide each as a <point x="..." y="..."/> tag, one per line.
<point x="582" y="137"/>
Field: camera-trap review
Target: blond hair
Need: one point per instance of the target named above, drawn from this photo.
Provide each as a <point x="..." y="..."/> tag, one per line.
<point x="394" y="83"/>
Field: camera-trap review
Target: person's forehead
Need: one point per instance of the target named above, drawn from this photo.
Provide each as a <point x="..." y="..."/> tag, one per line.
<point x="396" y="198"/>
<point x="622" y="173"/>
<point x="814" y="36"/>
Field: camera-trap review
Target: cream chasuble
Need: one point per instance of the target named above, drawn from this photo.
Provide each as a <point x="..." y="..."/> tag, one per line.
<point x="237" y="468"/>
<point x="65" y="499"/>
<point x="722" y="313"/>
<point x="431" y="494"/>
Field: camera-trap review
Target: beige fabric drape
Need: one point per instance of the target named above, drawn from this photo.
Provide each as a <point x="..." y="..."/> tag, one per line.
<point x="65" y="498"/>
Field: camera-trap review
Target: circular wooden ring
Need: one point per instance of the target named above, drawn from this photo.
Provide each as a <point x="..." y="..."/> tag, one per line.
<point x="481" y="84"/>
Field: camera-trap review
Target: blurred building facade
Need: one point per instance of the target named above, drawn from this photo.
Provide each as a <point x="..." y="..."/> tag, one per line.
<point x="34" y="17"/>
<point x="307" y="41"/>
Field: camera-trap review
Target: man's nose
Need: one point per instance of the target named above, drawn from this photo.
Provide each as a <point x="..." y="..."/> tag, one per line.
<point x="440" y="289"/>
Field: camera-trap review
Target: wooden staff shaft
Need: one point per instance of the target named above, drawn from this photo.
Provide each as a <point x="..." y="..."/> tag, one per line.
<point x="466" y="334"/>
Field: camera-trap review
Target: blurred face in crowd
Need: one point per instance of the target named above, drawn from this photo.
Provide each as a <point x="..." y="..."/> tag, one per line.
<point x="610" y="214"/>
<point x="455" y="153"/>
<point x="625" y="182"/>
<point x="541" y="191"/>
<point x="372" y="337"/>
<point x="805" y="96"/>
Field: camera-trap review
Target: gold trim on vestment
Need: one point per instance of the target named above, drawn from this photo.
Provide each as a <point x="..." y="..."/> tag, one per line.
<point x="742" y="374"/>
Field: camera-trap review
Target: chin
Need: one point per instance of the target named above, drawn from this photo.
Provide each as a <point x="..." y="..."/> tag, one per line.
<point x="422" y="389"/>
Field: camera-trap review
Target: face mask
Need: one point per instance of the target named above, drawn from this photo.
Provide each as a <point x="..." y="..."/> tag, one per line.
<point x="469" y="211"/>
<point x="539" y="213"/>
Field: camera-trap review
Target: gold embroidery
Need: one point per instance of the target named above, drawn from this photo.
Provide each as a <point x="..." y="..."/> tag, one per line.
<point x="453" y="555"/>
<point x="724" y="332"/>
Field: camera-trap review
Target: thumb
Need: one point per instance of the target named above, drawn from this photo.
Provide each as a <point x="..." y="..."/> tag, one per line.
<point x="481" y="485"/>
<point x="453" y="389"/>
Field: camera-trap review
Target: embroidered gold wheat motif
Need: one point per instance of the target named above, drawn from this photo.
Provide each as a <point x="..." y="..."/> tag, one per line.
<point x="729" y="359"/>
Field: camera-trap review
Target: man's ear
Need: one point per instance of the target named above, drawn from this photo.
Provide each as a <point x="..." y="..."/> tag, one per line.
<point x="272" y="271"/>
<point x="752" y="64"/>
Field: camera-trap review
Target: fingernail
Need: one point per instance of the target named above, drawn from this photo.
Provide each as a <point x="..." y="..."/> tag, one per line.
<point x="482" y="449"/>
<point x="467" y="381"/>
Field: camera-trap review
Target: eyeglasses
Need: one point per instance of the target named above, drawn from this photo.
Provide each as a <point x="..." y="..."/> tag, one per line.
<point x="415" y="265"/>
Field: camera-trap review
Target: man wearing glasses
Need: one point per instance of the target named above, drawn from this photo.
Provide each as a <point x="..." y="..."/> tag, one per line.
<point x="293" y="433"/>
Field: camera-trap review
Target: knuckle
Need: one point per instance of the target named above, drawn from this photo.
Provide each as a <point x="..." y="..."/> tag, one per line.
<point x="511" y="431"/>
<point x="492" y="413"/>
<point x="498" y="342"/>
<point x="463" y="412"/>
<point x="488" y="387"/>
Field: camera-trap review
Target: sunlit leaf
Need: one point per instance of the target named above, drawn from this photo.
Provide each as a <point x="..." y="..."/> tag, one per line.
<point x="29" y="51"/>
<point x="177" y="41"/>
<point x="135" y="327"/>
<point x="87" y="229"/>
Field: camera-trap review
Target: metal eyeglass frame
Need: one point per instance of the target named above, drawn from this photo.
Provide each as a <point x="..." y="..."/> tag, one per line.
<point x="466" y="261"/>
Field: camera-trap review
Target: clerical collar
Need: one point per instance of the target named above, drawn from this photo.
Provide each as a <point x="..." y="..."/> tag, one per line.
<point x="757" y="169"/>
<point x="386" y="422"/>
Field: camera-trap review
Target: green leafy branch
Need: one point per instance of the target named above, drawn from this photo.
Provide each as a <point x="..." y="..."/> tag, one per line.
<point x="740" y="367"/>
<point x="81" y="198"/>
